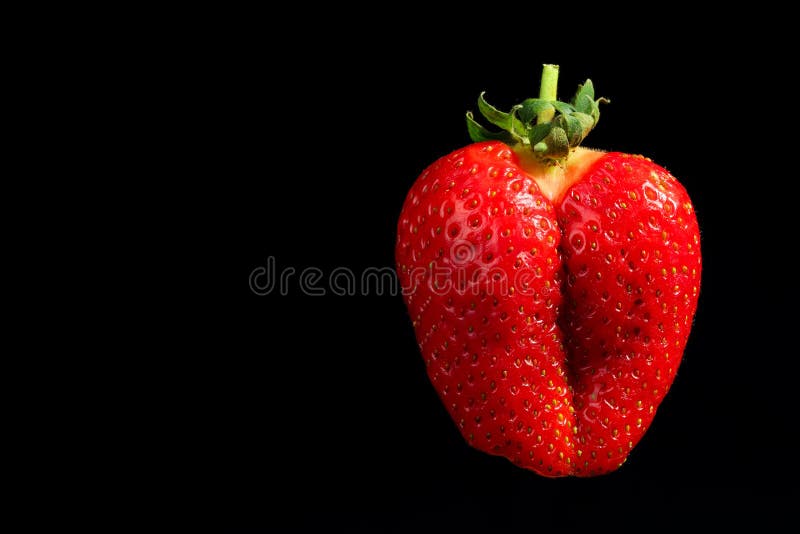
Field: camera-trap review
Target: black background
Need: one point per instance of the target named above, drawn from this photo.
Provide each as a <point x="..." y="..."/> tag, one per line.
<point x="315" y="412"/>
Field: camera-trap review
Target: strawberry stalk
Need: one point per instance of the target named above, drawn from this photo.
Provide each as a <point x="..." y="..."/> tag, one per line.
<point x="548" y="91"/>
<point x="544" y="126"/>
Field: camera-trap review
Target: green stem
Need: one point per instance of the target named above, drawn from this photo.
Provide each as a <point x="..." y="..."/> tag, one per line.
<point x="547" y="91"/>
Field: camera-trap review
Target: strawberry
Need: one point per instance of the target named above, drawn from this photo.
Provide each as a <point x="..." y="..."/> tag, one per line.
<point x="551" y="287"/>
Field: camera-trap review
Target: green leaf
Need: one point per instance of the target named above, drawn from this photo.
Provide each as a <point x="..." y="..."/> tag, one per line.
<point x="557" y="143"/>
<point x="506" y="121"/>
<point x="478" y="133"/>
<point x="572" y="127"/>
<point x="577" y="126"/>
<point x="563" y="107"/>
<point x="584" y="97"/>
<point x="587" y="121"/>
<point x="539" y="132"/>
<point x="584" y="103"/>
<point x="567" y="124"/>
<point x="523" y="136"/>
<point x="596" y="110"/>
<point x="531" y="107"/>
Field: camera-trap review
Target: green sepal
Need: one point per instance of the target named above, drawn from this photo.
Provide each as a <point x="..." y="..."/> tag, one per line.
<point x="478" y="133"/>
<point x="571" y="127"/>
<point x="539" y="132"/>
<point x="551" y="141"/>
<point x="585" y="102"/>
<point x="576" y="125"/>
<point x="531" y="107"/>
<point x="557" y="144"/>
<point x="563" y="107"/>
<point x="584" y="98"/>
<point x="506" y="121"/>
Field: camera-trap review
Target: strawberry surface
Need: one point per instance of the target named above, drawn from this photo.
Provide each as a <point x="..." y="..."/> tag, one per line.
<point x="632" y="260"/>
<point x="551" y="309"/>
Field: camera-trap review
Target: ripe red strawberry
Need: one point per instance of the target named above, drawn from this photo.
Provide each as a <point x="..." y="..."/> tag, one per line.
<point x="551" y="288"/>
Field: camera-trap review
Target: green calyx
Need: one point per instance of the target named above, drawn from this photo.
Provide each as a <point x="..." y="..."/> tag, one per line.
<point x="544" y="125"/>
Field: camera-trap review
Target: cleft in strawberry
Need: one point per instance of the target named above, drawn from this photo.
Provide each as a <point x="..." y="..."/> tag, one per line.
<point x="551" y="287"/>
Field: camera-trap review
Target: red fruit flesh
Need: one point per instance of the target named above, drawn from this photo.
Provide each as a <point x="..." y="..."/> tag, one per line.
<point x="551" y="307"/>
